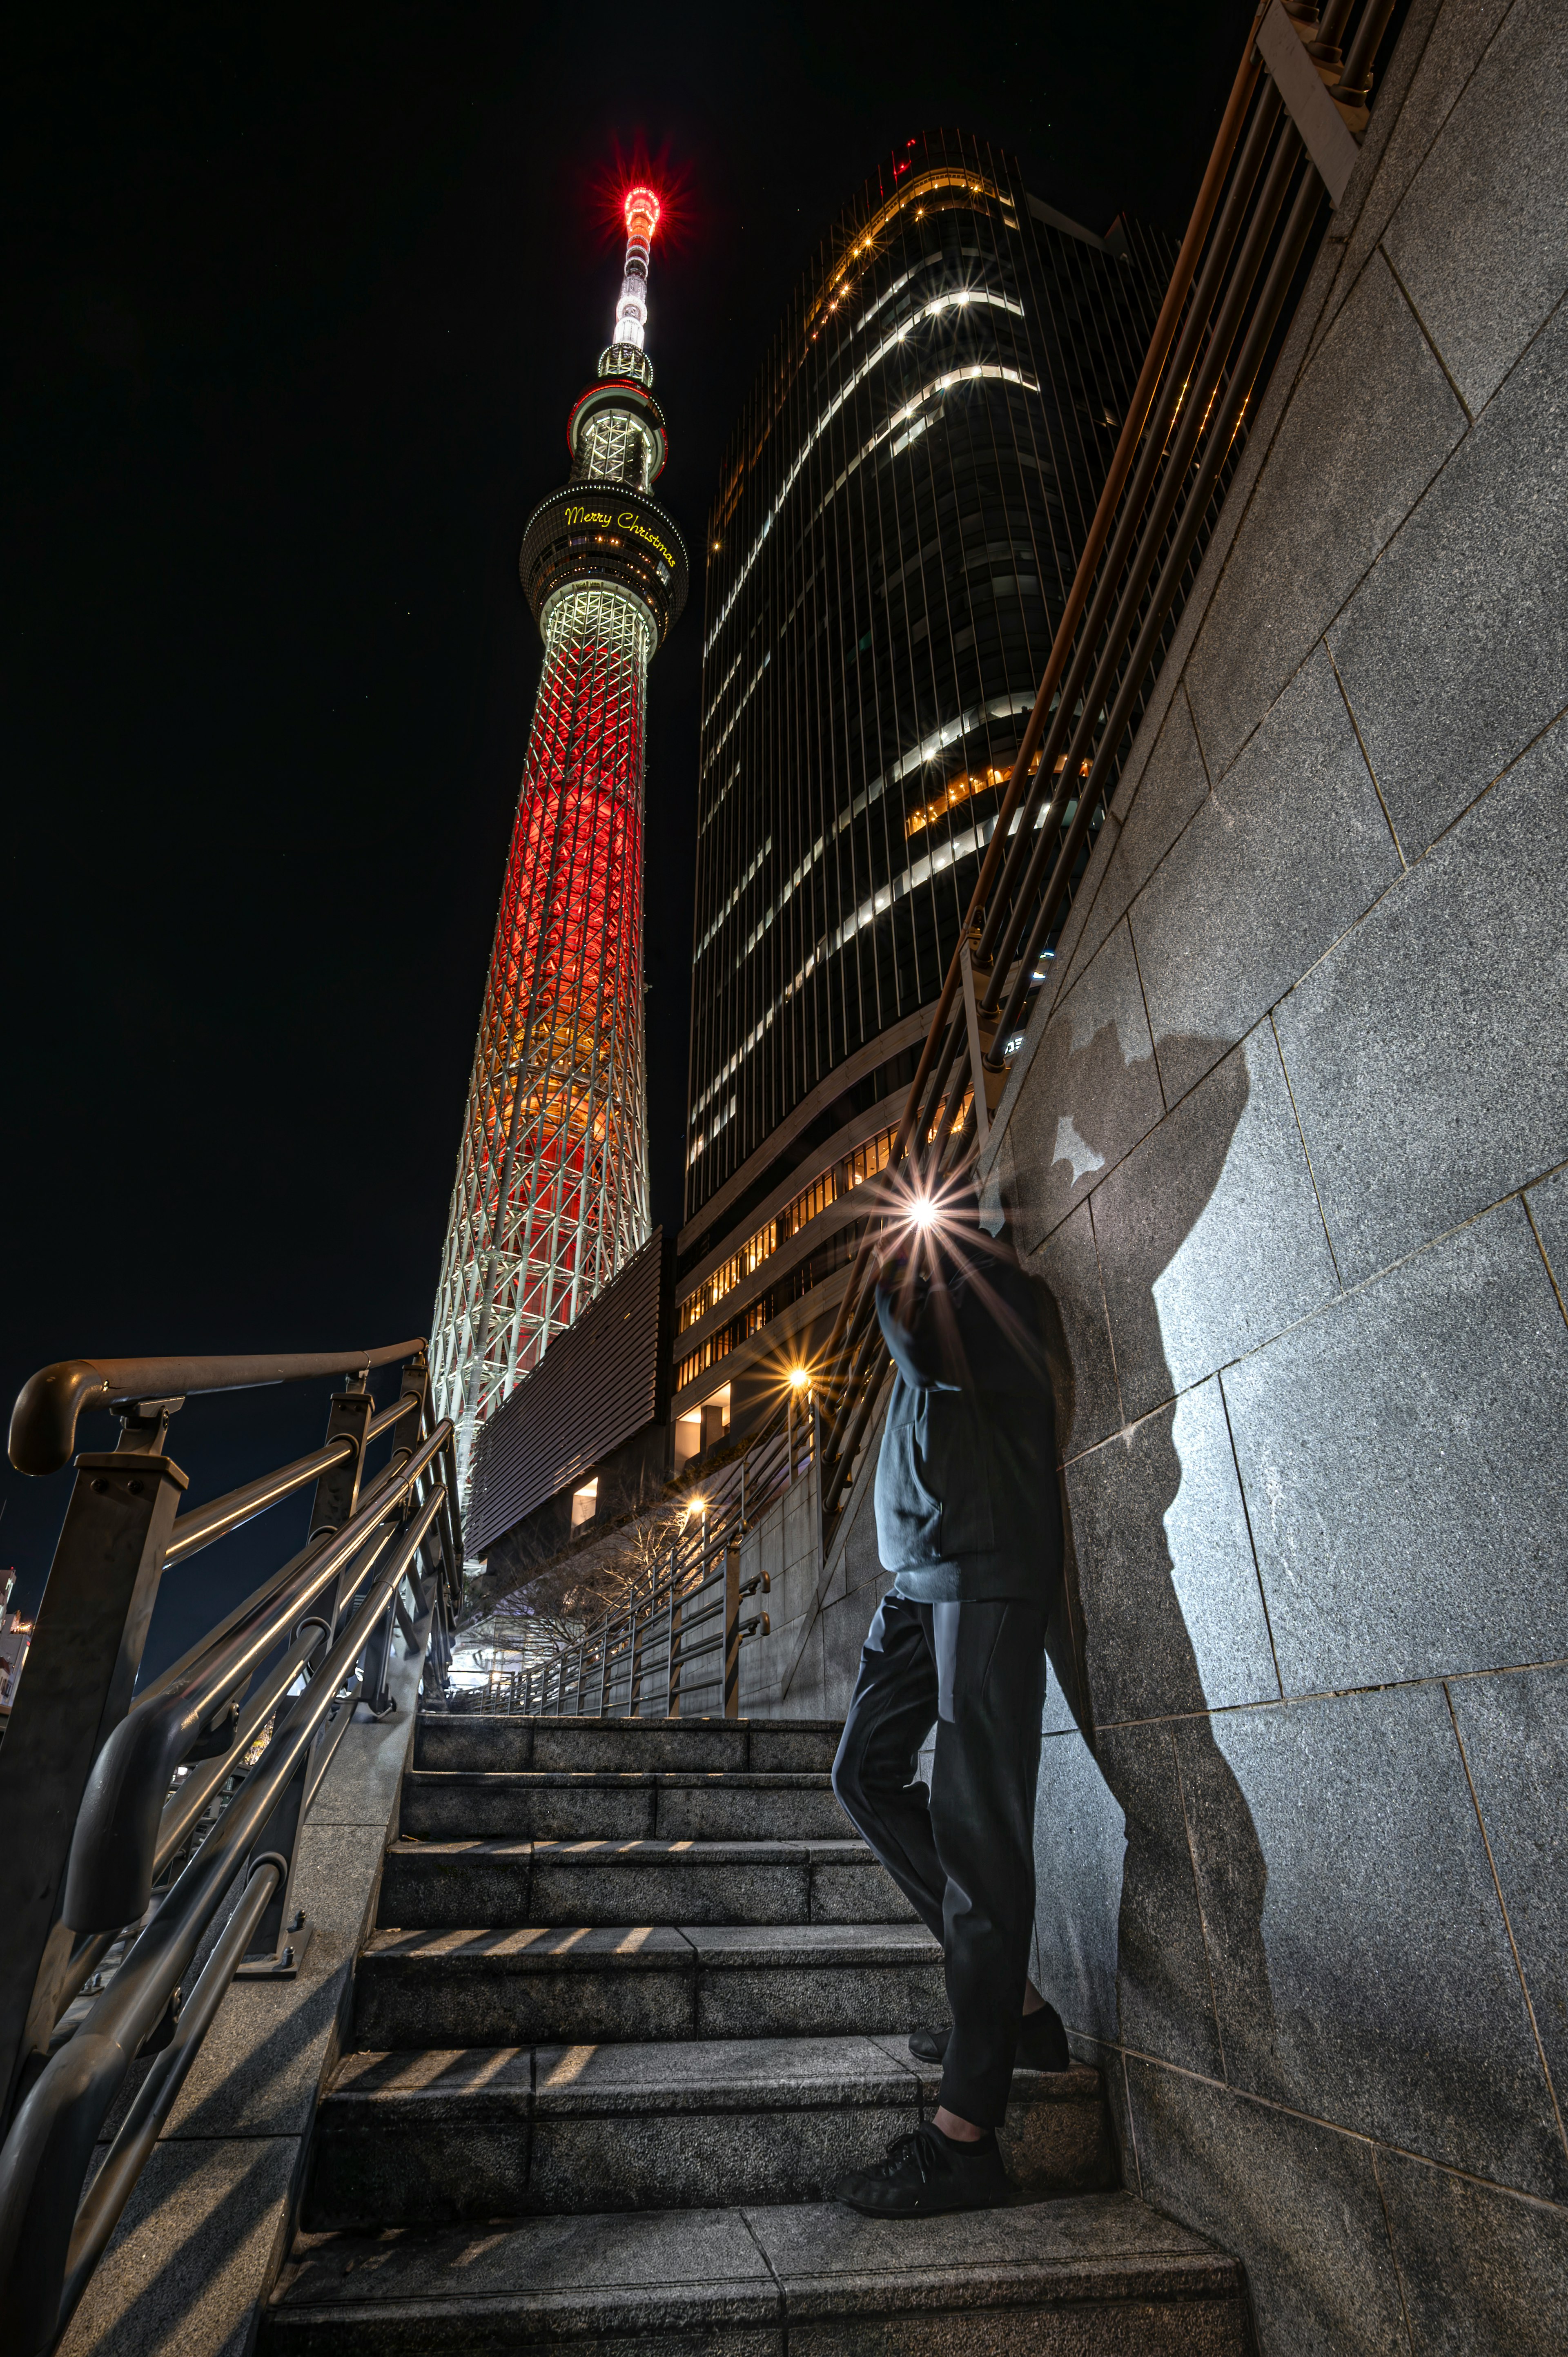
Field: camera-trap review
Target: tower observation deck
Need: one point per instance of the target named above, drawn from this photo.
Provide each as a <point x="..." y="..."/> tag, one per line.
<point x="552" y="1193"/>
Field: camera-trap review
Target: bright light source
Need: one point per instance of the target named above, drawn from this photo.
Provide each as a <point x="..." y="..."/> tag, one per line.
<point x="799" y="1377"/>
<point x="642" y="210"/>
<point x="922" y="1211"/>
<point x="695" y="1506"/>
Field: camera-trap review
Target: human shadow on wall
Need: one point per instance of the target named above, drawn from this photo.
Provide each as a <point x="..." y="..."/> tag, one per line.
<point x="1120" y="1640"/>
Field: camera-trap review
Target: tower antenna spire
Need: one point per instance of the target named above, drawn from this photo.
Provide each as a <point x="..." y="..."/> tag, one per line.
<point x="641" y="215"/>
<point x="550" y="1199"/>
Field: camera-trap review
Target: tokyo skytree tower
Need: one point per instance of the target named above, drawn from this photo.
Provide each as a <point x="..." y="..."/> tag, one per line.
<point x="551" y="1196"/>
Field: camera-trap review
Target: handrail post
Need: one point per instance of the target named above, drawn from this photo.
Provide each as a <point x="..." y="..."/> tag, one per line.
<point x="281" y="1940"/>
<point x="732" y="1632"/>
<point x="671" y="1669"/>
<point x="80" y="1674"/>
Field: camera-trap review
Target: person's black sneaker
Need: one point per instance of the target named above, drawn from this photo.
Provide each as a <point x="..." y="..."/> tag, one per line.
<point x="926" y="2173"/>
<point x="1042" y="2042"/>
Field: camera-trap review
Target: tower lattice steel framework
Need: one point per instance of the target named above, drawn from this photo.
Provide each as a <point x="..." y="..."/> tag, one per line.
<point x="551" y="1196"/>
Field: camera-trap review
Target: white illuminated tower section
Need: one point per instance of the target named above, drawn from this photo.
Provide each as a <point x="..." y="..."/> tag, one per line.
<point x="551" y="1196"/>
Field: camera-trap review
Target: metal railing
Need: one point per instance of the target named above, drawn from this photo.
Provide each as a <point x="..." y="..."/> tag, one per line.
<point x="132" y="1819"/>
<point x="1287" y="136"/>
<point x="680" y="1634"/>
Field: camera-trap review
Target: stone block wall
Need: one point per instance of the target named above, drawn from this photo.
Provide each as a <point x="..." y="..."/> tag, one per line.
<point x="1287" y="1146"/>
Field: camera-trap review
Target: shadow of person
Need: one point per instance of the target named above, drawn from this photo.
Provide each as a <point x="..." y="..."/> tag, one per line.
<point x="1139" y="1637"/>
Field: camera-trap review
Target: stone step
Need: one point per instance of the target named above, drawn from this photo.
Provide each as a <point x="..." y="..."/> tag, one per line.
<point x="546" y="1805"/>
<point x="432" y="1885"/>
<point x="509" y="1741"/>
<point x="1097" y="2275"/>
<point x="469" y="2133"/>
<point x="574" y="1984"/>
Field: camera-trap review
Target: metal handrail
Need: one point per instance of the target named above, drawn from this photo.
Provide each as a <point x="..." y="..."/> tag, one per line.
<point x="43" y="1421"/>
<point x="47" y="2245"/>
<point x="733" y="1493"/>
<point x="1260" y="196"/>
<point x="104" y="1795"/>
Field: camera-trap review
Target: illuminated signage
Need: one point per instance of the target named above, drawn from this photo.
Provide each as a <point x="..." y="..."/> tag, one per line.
<point x="628" y="521"/>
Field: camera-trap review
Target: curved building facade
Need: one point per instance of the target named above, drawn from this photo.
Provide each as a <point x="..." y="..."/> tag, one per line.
<point x="899" y="520"/>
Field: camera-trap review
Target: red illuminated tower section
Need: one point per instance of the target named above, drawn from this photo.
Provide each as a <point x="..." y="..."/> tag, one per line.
<point x="551" y="1196"/>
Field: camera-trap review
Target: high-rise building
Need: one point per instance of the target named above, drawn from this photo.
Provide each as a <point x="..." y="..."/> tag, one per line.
<point x="551" y="1196"/>
<point x="899" y="516"/>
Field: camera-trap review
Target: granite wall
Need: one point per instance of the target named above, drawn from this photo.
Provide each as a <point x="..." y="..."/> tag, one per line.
<point x="1285" y="1144"/>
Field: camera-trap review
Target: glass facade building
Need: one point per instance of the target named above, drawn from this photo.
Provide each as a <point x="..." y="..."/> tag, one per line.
<point x="899" y="520"/>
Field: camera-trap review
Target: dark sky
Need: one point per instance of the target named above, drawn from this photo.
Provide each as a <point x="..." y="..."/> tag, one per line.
<point x="295" y="304"/>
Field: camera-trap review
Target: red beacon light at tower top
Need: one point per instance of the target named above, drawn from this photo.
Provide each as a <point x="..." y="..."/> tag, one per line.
<point x="642" y="210"/>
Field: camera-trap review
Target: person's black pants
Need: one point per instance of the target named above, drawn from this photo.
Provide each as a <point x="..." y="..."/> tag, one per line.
<point x="964" y="1852"/>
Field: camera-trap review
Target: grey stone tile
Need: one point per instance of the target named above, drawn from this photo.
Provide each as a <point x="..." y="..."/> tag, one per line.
<point x="1078" y="1336"/>
<point x="1424" y="1053"/>
<point x="588" y="1744"/>
<point x="1210" y="1238"/>
<point x="1477" y="571"/>
<point x="522" y="1987"/>
<point x="740" y="2074"/>
<point x="1112" y="2065"/>
<point x="1515" y="1733"/>
<point x="1173" y="787"/>
<point x="765" y="2119"/>
<point x="808" y="1746"/>
<point x="695" y="2275"/>
<point x="1172" y="1609"/>
<point x="1549" y="1214"/>
<point x="360" y="1787"/>
<point x="1481" y="240"/>
<point x="524" y="1806"/>
<point x="1485" y="2275"/>
<point x="1452" y="50"/>
<point x="1093" y="1092"/>
<point x="460" y="1883"/>
<point x="865" y="1893"/>
<point x="1298" y="2204"/>
<point x="1066" y="963"/>
<point x="1098" y="2272"/>
<point x="1079" y="1841"/>
<point x="844" y="1626"/>
<point x="484" y="1745"/>
<point x="737" y="1810"/>
<point x="1401" y="1457"/>
<point x="720" y="1882"/>
<point x="194" y="2255"/>
<point x="1165" y="2005"/>
<point x="1292" y="848"/>
<point x="1369" y="422"/>
<point x="1361" y="1961"/>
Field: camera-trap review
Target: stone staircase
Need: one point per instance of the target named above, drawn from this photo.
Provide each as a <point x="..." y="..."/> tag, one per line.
<point x="636" y="1991"/>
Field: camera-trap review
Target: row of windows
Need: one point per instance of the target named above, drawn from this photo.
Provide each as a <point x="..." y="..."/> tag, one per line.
<point x="829" y="1186"/>
<point x="836" y="1253"/>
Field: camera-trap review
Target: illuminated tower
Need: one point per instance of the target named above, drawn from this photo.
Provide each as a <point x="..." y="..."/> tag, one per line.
<point x="551" y="1188"/>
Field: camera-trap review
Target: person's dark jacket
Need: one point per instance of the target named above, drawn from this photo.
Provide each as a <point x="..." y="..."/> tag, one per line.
<point x="966" y="1488"/>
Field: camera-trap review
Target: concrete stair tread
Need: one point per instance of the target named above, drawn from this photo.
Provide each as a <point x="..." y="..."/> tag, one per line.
<point x="749" y="2269"/>
<point x="651" y="1946"/>
<point x="754" y="2074"/>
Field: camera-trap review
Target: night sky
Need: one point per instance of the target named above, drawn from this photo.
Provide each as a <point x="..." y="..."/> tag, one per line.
<point x="295" y="305"/>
